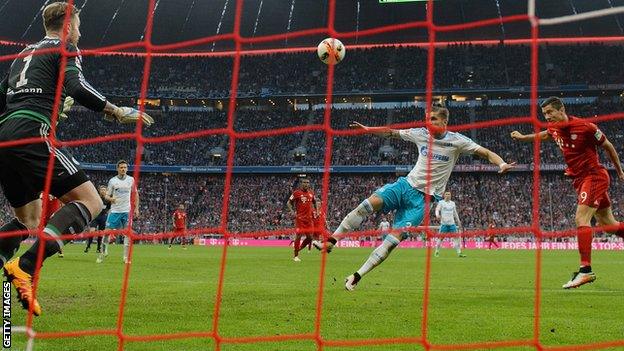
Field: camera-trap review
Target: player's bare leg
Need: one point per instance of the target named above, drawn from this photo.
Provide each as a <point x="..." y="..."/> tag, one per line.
<point x="585" y="236"/>
<point x="352" y="221"/>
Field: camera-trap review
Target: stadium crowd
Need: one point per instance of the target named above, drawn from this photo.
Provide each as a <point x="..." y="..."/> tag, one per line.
<point x="460" y="66"/>
<point x="279" y="150"/>
<point x="257" y="202"/>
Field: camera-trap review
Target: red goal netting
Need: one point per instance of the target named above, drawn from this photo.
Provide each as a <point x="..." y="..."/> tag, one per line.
<point x="314" y="335"/>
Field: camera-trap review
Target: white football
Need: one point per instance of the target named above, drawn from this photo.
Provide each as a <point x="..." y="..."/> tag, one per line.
<point x="331" y="51"/>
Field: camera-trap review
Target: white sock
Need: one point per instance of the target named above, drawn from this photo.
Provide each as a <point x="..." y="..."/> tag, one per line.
<point x="126" y="243"/>
<point x="457" y="245"/>
<point x="438" y="243"/>
<point x="354" y="219"/>
<point x="104" y="249"/>
<point x="379" y="254"/>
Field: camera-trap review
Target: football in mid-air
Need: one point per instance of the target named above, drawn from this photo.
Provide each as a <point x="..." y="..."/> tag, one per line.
<point x="331" y="51"/>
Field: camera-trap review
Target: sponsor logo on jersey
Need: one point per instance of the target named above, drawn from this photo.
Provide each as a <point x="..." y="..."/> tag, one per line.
<point x="424" y="151"/>
<point x="573" y="136"/>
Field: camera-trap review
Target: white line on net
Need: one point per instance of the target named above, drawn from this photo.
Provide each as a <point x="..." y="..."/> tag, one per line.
<point x="531" y="9"/>
<point x="580" y="16"/>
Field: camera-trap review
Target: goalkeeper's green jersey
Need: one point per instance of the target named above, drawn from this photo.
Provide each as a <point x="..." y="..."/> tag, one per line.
<point x="29" y="89"/>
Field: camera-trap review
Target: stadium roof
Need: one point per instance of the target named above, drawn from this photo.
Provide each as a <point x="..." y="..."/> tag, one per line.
<point x="110" y="22"/>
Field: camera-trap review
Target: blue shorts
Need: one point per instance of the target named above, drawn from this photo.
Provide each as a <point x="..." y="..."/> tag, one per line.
<point x="448" y="228"/>
<point x="408" y="203"/>
<point x="117" y="220"/>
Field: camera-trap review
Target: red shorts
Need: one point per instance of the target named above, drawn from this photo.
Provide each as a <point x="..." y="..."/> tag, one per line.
<point x="179" y="230"/>
<point x="319" y="226"/>
<point x="592" y="190"/>
<point x="304" y="227"/>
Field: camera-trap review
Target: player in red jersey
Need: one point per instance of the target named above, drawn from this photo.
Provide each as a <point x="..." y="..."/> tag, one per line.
<point x="305" y="205"/>
<point x="491" y="237"/>
<point x="320" y="225"/>
<point x="579" y="140"/>
<point x="179" y="225"/>
<point x="54" y="205"/>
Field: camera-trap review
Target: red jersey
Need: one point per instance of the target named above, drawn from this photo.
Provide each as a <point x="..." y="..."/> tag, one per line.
<point x="303" y="205"/>
<point x="179" y="219"/>
<point x="578" y="140"/>
<point x="320" y="223"/>
<point x="53" y="206"/>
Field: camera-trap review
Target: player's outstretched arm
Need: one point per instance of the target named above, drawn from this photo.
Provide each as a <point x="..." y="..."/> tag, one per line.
<point x="615" y="159"/>
<point x="543" y="135"/>
<point x="379" y="131"/>
<point x="494" y="159"/>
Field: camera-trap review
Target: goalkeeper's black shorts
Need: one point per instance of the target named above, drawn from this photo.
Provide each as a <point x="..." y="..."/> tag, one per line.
<point x="23" y="168"/>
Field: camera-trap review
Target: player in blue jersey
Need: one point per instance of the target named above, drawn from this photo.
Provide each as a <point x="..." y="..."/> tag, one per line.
<point x="446" y="213"/>
<point x="407" y="195"/>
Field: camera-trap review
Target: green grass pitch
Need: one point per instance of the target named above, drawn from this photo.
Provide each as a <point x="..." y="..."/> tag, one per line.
<point x="488" y="296"/>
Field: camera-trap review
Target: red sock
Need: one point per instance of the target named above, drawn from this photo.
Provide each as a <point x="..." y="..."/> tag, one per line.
<point x="585" y="237"/>
<point x="297" y="245"/>
<point x="620" y="230"/>
<point x="307" y="241"/>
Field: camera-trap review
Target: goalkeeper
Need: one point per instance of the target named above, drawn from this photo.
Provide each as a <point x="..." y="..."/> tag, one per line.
<point x="27" y="97"/>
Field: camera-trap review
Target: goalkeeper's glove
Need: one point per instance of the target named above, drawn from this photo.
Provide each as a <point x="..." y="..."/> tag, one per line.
<point x="126" y="115"/>
<point x="67" y="105"/>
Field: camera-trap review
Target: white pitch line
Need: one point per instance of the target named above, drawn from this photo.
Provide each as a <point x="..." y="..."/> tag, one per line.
<point x="18" y="328"/>
<point x="580" y="16"/>
<point x="30" y="344"/>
